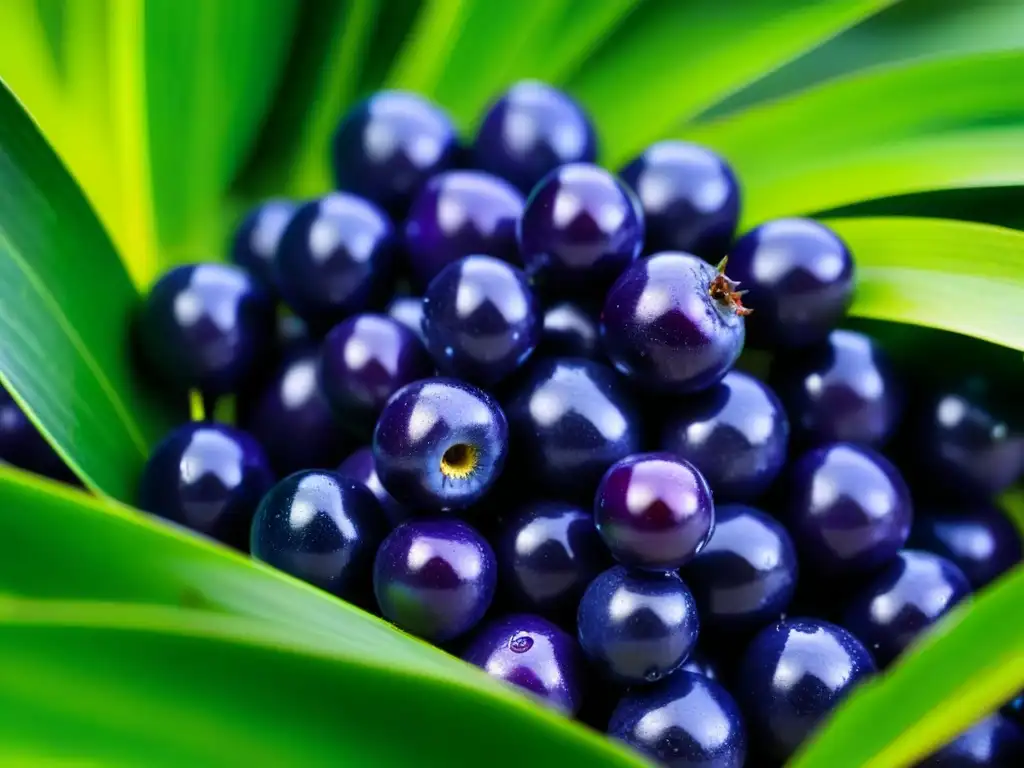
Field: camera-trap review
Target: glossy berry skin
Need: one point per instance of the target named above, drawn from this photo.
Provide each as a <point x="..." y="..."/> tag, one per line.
<point x="745" y="576"/>
<point x="994" y="742"/>
<point x="690" y="198"/>
<point x="481" y="320"/>
<point x="793" y="674"/>
<point x="408" y="310"/>
<point x="637" y="626"/>
<point x="736" y="433"/>
<point x="664" y="329"/>
<point x="360" y="466"/>
<point x="654" y="510"/>
<point x="698" y="664"/>
<point x="204" y="326"/>
<point x="980" y="540"/>
<point x="687" y="721"/>
<point x="581" y="228"/>
<point x="568" y="330"/>
<point x="843" y="389"/>
<point x="434" y="578"/>
<point x="321" y="528"/>
<point x="533" y="654"/>
<point x="255" y="244"/>
<point x="570" y="420"/>
<point x="293" y="420"/>
<point x="458" y="214"/>
<point x="440" y="444"/>
<point x="849" y="509"/>
<point x="903" y="601"/>
<point x="22" y="445"/>
<point x="799" y="276"/>
<point x="531" y="130"/>
<point x="388" y="146"/>
<point x="336" y="258"/>
<point x="364" y="360"/>
<point x="548" y="552"/>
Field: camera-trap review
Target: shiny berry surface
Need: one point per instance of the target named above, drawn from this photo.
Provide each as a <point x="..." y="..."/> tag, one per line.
<point x="736" y="433"/>
<point x="792" y="676"/>
<point x="903" y="601"/>
<point x="570" y="420"/>
<point x="978" y="539"/>
<point x="698" y="664"/>
<point x="581" y="228"/>
<point x="746" y="574"/>
<point x="654" y="511"/>
<point x="994" y="742"/>
<point x="364" y="361"/>
<point x="843" y="389"/>
<point x="360" y="466"/>
<point x="672" y="323"/>
<point x="848" y="508"/>
<point x="321" y="528"/>
<point x="548" y="552"/>
<point x="461" y="213"/>
<point x="254" y="246"/>
<point x="531" y="653"/>
<point x="21" y="444"/>
<point x="434" y="578"/>
<point x="336" y="258"/>
<point x="569" y="330"/>
<point x="690" y="198"/>
<point x="388" y="146"/>
<point x="440" y="444"/>
<point x="205" y="326"/>
<point x="799" y="275"/>
<point x="481" y="320"/>
<point x="408" y="310"/>
<point x="208" y="477"/>
<point x="532" y="129"/>
<point x="686" y="721"/>
<point x="637" y="626"/>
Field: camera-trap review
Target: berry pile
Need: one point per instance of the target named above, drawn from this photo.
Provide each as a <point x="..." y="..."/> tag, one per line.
<point x="555" y="468"/>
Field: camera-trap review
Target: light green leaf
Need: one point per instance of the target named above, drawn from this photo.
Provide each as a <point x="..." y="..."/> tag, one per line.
<point x="65" y="306"/>
<point x="423" y="56"/>
<point x="960" y="671"/>
<point x="967" y="278"/>
<point x="686" y="56"/>
<point x="876" y="134"/>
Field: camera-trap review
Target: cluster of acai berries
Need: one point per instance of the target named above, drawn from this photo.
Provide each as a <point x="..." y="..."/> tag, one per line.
<point x="554" y="467"/>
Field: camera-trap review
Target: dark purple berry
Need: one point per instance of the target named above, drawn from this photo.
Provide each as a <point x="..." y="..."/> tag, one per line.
<point x="698" y="664"/>
<point x="979" y="539"/>
<point x="361" y="467"/>
<point x="255" y="244"/>
<point x="408" y="310"/>
<point x="569" y="331"/>
<point x="22" y="445"/>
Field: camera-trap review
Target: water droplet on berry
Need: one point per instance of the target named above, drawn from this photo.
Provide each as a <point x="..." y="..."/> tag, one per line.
<point x="520" y="644"/>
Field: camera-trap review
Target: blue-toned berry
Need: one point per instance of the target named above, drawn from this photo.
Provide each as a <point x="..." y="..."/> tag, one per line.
<point x="434" y="578"/>
<point x="799" y="278"/>
<point x="321" y="528"/>
<point x="746" y="574"/>
<point x="531" y="130"/>
<point x="844" y="389"/>
<point x="690" y="197"/>
<point x="361" y="467"/>
<point x="979" y="539"/>
<point x="533" y="654"/>
<point x="569" y="330"/>
<point x="736" y="433"/>
<point x="461" y="213"/>
<point x="994" y="742"/>
<point x="481" y="320"/>
<point x="793" y="675"/>
<point x="408" y="310"/>
<point x="581" y="228"/>
<point x="21" y="444"/>
<point x="440" y="444"/>
<point x="548" y="552"/>
<point x="637" y="626"/>
<point x="673" y="323"/>
<point x="388" y="146"/>
<point x="687" y="721"/>
<point x="699" y="665"/>
<point x="337" y="257"/>
<point x="364" y="361"/>
<point x="205" y="326"/>
<point x="570" y="420"/>
<point x="903" y="601"/>
<point x="849" y="509"/>
<point x="255" y="244"/>
<point x="654" y="510"/>
<point x="207" y="477"/>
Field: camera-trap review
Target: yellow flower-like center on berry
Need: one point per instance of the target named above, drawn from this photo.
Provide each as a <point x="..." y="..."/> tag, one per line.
<point x="459" y="461"/>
